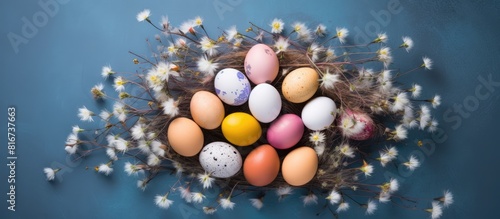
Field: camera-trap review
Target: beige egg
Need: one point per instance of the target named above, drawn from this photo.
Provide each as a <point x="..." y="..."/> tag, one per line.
<point x="300" y="166"/>
<point x="300" y="85"/>
<point x="185" y="137"/>
<point x="207" y="110"/>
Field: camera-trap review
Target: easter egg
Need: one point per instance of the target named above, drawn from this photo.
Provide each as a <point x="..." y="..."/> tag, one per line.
<point x="286" y="131"/>
<point x="241" y="129"/>
<point x="206" y="109"/>
<point x="264" y="102"/>
<point x="356" y="125"/>
<point x="319" y="113"/>
<point x="261" y="166"/>
<point x="232" y="86"/>
<point x="185" y="137"/>
<point x="300" y="85"/>
<point x="300" y="166"/>
<point x="220" y="159"/>
<point x="261" y="64"/>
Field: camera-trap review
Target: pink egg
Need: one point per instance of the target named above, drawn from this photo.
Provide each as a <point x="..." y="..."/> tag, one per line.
<point x="356" y="125"/>
<point x="285" y="131"/>
<point x="261" y="64"/>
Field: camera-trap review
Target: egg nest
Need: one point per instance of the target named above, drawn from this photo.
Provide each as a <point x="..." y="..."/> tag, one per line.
<point x="333" y="170"/>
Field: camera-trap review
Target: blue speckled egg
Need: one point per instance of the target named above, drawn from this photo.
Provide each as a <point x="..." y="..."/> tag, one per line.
<point x="232" y="86"/>
<point x="220" y="159"/>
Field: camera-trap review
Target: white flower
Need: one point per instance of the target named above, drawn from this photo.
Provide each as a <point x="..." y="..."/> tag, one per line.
<point x="206" y="180"/>
<point x="317" y="137"/>
<point x="319" y="148"/>
<point x="381" y="38"/>
<point x="436" y="101"/>
<point x="111" y="153"/>
<point x="142" y="184"/>
<point x="107" y="71"/>
<point x="392" y="152"/>
<point x="197" y="197"/>
<point x="186" y="194"/>
<point x="384" y="158"/>
<point x="371" y="207"/>
<point x="407" y="43"/>
<point x="76" y="129"/>
<point x="391" y="186"/>
<point x="281" y="45"/>
<point x="433" y="125"/>
<point x="178" y="167"/>
<point x="170" y="107"/>
<point x="416" y="90"/>
<point x="138" y="131"/>
<point x="425" y="116"/>
<point x="367" y="169"/>
<point x="72" y="143"/>
<point x="320" y="30"/>
<point x="412" y="163"/>
<point x="165" y="23"/>
<point x="400" y="102"/>
<point x="132" y="169"/>
<point x="347" y="150"/>
<point x="226" y="203"/>
<point x="208" y="46"/>
<point x="257" y="203"/>
<point x="209" y="210"/>
<point x="162" y="70"/>
<point x="344" y="206"/>
<point x="206" y="66"/>
<point x="50" y="173"/>
<point x="342" y="33"/>
<point x="85" y="115"/>
<point x="284" y="191"/>
<point x="162" y="201"/>
<point x="311" y="198"/>
<point x="328" y="80"/>
<point x="105" y="115"/>
<point x="436" y="210"/>
<point x="143" y="15"/>
<point x="156" y="148"/>
<point x="277" y="25"/>
<point x="119" y="84"/>
<point x="446" y="199"/>
<point x="231" y="33"/>
<point x="400" y="133"/>
<point x="121" y="144"/>
<point x="153" y="160"/>
<point x="384" y="197"/>
<point x="427" y="63"/>
<point x="330" y="55"/>
<point x="105" y="169"/>
<point x="154" y="80"/>
<point x="384" y="55"/>
<point x="334" y="197"/>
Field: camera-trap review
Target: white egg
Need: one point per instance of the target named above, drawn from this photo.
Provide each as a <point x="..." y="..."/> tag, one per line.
<point x="319" y="113"/>
<point x="264" y="102"/>
<point x="232" y="86"/>
<point x="221" y="159"/>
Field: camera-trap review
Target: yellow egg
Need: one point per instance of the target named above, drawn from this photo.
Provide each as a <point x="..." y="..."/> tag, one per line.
<point x="241" y="129"/>
<point x="300" y="166"/>
<point x="300" y="85"/>
<point x="207" y="110"/>
<point x="185" y="137"/>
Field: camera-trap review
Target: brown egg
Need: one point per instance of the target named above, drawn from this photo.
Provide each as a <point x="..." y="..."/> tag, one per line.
<point x="207" y="110"/>
<point x="300" y="85"/>
<point x="300" y="166"/>
<point x="261" y="165"/>
<point x="185" y="137"/>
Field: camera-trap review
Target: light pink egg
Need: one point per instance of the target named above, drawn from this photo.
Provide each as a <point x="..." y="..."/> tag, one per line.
<point x="261" y="64"/>
<point x="356" y="125"/>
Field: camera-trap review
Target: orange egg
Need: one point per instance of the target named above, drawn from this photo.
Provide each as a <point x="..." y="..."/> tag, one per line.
<point x="185" y="137"/>
<point x="300" y="166"/>
<point x="207" y="110"/>
<point x="241" y="129"/>
<point x="300" y="85"/>
<point x="261" y="165"/>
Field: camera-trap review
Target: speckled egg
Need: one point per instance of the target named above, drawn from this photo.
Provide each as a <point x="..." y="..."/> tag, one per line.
<point x="300" y="85"/>
<point x="221" y="159"/>
<point x="261" y="64"/>
<point x="232" y="86"/>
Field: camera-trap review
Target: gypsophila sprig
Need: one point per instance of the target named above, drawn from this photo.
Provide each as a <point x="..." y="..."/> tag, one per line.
<point x="367" y="113"/>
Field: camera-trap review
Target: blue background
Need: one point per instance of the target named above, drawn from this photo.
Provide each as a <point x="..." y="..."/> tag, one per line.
<point x="50" y="76"/>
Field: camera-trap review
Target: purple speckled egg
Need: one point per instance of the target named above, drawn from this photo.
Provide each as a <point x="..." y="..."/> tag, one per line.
<point x="285" y="131"/>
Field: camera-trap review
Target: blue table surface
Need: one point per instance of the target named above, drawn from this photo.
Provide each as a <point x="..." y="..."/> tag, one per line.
<point x="47" y="75"/>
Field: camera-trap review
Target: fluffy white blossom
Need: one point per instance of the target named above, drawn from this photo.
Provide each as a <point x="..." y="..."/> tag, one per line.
<point x="344" y="206"/>
<point x="407" y="43"/>
<point x="162" y="201"/>
<point x="226" y="203"/>
<point x="206" y="66"/>
<point x="197" y="197"/>
<point x="436" y="211"/>
<point x="334" y="197"/>
<point x="328" y="80"/>
<point x="412" y="163"/>
<point x="277" y="25"/>
<point x="107" y="71"/>
<point x="311" y="198"/>
<point x="50" y="173"/>
<point x="281" y="45"/>
<point x="85" y="115"/>
<point x="342" y="33"/>
<point x="170" y="107"/>
<point x="257" y="203"/>
<point x="206" y="180"/>
<point x="371" y="206"/>
<point x="143" y="15"/>
<point x="209" y="46"/>
<point x="119" y="84"/>
<point x="105" y="169"/>
<point x="427" y="63"/>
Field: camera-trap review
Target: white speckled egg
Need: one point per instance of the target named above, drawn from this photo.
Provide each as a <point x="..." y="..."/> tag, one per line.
<point x="232" y="86"/>
<point x="221" y="159"/>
